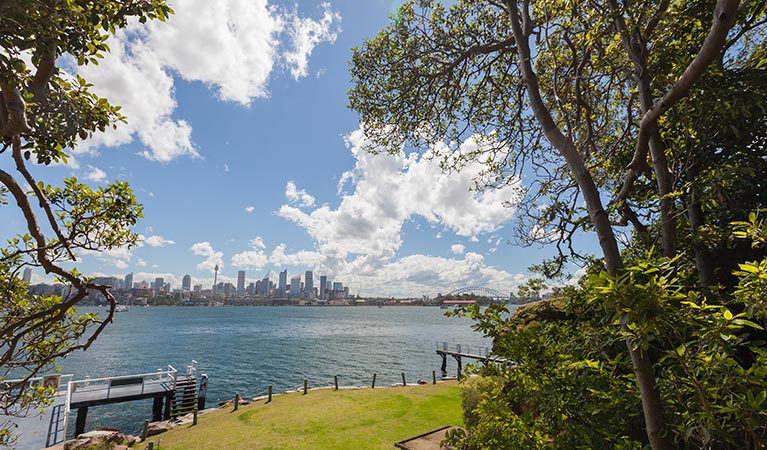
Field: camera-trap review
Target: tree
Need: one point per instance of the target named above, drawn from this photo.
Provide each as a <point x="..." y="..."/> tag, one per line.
<point x="571" y="93"/>
<point x="44" y="112"/>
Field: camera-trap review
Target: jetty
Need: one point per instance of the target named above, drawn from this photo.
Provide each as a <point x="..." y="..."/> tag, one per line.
<point x="174" y="393"/>
<point x="459" y="352"/>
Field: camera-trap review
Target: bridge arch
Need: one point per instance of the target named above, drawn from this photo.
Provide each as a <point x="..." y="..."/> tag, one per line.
<point x="484" y="292"/>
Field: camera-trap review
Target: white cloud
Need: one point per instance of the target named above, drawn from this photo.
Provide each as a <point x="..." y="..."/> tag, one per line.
<point x="250" y="260"/>
<point x="250" y="209"/>
<point x="305" y="34"/>
<point x="231" y="46"/>
<point x="95" y="174"/>
<point x="279" y="258"/>
<point x="213" y="257"/>
<point x="391" y="190"/>
<point x="457" y="249"/>
<point x="298" y="197"/>
<point x="257" y="243"/>
<point x="156" y="241"/>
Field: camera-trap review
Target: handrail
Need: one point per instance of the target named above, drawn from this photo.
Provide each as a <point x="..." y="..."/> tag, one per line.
<point x="482" y="351"/>
<point x="107" y="382"/>
<point x="10" y="384"/>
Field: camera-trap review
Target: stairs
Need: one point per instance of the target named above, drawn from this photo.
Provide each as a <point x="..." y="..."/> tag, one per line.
<point x="185" y="396"/>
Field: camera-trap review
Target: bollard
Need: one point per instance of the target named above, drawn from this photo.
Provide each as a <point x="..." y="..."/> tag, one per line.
<point x="403" y="379"/>
<point x="335" y="379"/>
<point x="270" y="394"/>
<point x="433" y="377"/>
<point x="236" y="401"/>
<point x="374" y="381"/>
<point x="145" y="431"/>
<point x="151" y="446"/>
<point x="194" y="417"/>
<point x="306" y="385"/>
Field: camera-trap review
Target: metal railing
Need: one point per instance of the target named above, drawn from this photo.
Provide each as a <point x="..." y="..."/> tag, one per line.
<point x="109" y="383"/>
<point x="477" y="350"/>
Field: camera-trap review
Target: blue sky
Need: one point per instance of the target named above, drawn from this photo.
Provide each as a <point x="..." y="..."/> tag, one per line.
<point x="241" y="147"/>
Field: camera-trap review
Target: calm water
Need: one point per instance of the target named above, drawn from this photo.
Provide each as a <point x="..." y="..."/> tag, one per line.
<point x="245" y="349"/>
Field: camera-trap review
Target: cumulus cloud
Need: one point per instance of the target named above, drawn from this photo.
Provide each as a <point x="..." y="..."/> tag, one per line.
<point x="250" y="209"/>
<point x="250" y="260"/>
<point x="279" y="257"/>
<point x="156" y="241"/>
<point x="95" y="174"/>
<point x="298" y="197"/>
<point x="257" y="243"/>
<point x="231" y="46"/>
<point x="387" y="192"/>
<point x="457" y="249"/>
<point x="213" y="258"/>
<point x="305" y="34"/>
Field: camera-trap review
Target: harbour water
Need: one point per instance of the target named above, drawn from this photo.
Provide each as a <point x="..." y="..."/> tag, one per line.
<point x="245" y="349"/>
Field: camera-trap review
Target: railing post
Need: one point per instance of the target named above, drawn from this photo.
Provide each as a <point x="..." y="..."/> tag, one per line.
<point x="306" y="385"/>
<point x="270" y="394"/>
<point x="403" y="379"/>
<point x="433" y="377"/>
<point x="335" y="380"/>
<point x="236" y="401"/>
<point x="194" y="417"/>
<point x="145" y="430"/>
<point x="374" y="381"/>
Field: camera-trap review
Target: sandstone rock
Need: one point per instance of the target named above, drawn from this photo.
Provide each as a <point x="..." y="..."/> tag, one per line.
<point x="156" y="428"/>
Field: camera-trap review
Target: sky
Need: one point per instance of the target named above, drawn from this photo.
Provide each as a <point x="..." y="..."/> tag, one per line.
<point x="242" y="149"/>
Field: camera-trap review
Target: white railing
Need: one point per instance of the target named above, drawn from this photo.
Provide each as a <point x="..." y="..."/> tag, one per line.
<point x="108" y="383"/>
<point x="464" y="349"/>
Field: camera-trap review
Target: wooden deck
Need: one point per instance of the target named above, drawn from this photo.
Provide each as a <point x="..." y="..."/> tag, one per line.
<point x="103" y="394"/>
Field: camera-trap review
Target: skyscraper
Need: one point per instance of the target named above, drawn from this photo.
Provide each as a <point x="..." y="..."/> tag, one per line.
<point x="186" y="283"/>
<point x="295" y="286"/>
<point x="241" y="283"/>
<point x="283" y="282"/>
<point x="128" y="282"/>
<point x="323" y="287"/>
<point x="27" y="277"/>
<point x="309" y="283"/>
<point x="159" y="284"/>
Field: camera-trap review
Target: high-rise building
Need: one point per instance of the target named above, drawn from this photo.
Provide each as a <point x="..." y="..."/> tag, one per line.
<point x="128" y="282"/>
<point x="309" y="283"/>
<point x="338" y="286"/>
<point x="241" y="283"/>
<point x="159" y="284"/>
<point x="323" y="286"/>
<point x="283" y="282"/>
<point x="186" y="283"/>
<point x="27" y="277"/>
<point x="295" y="286"/>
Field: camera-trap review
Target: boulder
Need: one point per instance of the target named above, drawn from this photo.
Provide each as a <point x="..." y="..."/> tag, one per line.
<point x="156" y="428"/>
<point x="550" y="309"/>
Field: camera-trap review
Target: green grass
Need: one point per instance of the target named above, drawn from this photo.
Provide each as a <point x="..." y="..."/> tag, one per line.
<point x="323" y="419"/>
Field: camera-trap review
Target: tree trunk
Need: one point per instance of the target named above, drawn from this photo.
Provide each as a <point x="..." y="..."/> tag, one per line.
<point x="643" y="370"/>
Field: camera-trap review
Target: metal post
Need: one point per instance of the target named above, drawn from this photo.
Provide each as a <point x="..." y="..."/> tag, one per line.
<point x="145" y="430"/>
<point x="374" y="381"/>
<point x="306" y="385"/>
<point x="194" y="417"/>
<point x="270" y="394"/>
<point x="236" y="401"/>
<point x="433" y="377"/>
<point x="335" y="380"/>
<point x="403" y="379"/>
<point x="151" y="446"/>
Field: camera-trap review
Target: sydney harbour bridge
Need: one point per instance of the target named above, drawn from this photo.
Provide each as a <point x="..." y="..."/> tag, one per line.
<point x="484" y="292"/>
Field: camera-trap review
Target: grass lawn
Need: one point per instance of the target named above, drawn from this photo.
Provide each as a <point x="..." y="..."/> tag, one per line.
<point x="323" y="419"/>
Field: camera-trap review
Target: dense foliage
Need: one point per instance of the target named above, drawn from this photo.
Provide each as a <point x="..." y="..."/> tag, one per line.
<point x="572" y="385"/>
<point x="658" y="106"/>
<point x="45" y="112"/>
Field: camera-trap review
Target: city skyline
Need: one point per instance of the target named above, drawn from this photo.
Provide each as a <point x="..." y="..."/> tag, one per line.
<point x="252" y="161"/>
